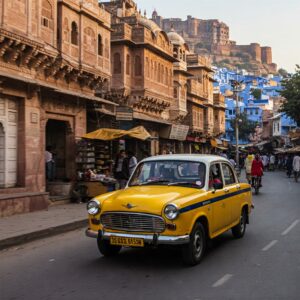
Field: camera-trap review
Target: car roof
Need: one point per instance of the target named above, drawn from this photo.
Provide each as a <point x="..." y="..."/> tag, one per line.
<point x="205" y="158"/>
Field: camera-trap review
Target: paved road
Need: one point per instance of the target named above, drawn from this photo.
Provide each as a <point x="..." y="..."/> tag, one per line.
<point x="263" y="265"/>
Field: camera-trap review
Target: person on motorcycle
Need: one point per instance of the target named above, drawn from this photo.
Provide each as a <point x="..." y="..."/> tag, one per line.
<point x="257" y="169"/>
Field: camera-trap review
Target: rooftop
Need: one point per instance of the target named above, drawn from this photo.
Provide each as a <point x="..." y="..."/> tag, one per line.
<point x="207" y="159"/>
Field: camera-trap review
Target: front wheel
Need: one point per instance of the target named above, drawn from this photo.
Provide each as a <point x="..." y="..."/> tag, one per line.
<point x="239" y="230"/>
<point x="106" y="249"/>
<point x="192" y="253"/>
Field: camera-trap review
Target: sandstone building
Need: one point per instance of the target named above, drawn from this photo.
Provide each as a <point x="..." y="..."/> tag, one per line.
<point x="212" y="37"/>
<point x="53" y="56"/>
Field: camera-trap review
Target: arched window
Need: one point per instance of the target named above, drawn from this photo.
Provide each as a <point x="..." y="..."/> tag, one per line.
<point x="100" y="45"/>
<point x="74" y="33"/>
<point x="175" y="92"/>
<point x="47" y="17"/>
<point x="175" y="52"/>
<point x="128" y="64"/>
<point x="117" y="63"/>
<point x="137" y="66"/>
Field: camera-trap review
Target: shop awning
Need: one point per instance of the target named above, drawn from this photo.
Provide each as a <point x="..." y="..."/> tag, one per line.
<point x="294" y="150"/>
<point x="108" y="134"/>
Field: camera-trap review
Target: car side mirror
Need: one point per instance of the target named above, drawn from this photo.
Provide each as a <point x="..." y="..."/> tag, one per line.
<point x="218" y="186"/>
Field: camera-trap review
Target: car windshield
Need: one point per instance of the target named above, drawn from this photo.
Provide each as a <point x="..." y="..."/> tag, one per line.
<point x="172" y="173"/>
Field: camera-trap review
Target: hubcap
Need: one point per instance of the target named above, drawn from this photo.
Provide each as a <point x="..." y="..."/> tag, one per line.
<point x="198" y="244"/>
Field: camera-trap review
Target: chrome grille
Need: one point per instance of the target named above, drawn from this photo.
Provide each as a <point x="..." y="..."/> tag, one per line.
<point x="133" y="222"/>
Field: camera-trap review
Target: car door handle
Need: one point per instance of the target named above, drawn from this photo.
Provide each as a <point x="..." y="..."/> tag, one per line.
<point x="226" y="190"/>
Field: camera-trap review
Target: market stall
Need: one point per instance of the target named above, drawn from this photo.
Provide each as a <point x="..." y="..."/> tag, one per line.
<point x="95" y="157"/>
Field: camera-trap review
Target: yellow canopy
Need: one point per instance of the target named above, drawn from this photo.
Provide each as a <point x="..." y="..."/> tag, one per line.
<point x="108" y="134"/>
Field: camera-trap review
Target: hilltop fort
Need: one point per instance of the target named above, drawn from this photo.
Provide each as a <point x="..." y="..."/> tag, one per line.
<point x="211" y="38"/>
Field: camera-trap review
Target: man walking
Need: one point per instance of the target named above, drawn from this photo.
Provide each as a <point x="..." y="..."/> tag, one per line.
<point x="296" y="166"/>
<point x="121" y="169"/>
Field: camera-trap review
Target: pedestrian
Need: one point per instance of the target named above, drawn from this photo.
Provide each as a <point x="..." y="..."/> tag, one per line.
<point x="289" y="166"/>
<point x="272" y="162"/>
<point x="121" y="169"/>
<point x="50" y="164"/>
<point x="232" y="161"/>
<point x="296" y="166"/>
<point x="248" y="165"/>
<point x="265" y="161"/>
<point x="132" y="161"/>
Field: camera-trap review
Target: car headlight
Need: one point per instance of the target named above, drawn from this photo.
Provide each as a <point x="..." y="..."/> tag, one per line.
<point x="171" y="211"/>
<point x="93" y="207"/>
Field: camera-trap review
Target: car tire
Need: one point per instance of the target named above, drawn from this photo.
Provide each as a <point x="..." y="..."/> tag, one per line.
<point x="106" y="249"/>
<point x="239" y="230"/>
<point x="192" y="253"/>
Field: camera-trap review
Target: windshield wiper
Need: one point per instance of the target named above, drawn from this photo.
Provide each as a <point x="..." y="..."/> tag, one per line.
<point x="184" y="183"/>
<point x="155" y="181"/>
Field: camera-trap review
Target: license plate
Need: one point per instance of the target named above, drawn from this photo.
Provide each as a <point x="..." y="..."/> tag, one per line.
<point x="127" y="242"/>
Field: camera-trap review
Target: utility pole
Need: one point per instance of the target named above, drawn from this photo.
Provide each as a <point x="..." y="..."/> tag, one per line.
<point x="237" y="87"/>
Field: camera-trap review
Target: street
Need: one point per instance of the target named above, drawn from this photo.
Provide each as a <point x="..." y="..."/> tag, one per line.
<point x="265" y="264"/>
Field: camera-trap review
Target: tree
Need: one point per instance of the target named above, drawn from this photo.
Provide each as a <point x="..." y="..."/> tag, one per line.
<point x="284" y="73"/>
<point x="246" y="126"/>
<point x="256" y="93"/>
<point x="291" y="92"/>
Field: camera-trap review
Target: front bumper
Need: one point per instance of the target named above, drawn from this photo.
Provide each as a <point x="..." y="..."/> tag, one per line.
<point x="154" y="239"/>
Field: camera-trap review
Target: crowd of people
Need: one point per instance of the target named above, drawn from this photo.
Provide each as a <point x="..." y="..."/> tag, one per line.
<point x="256" y="164"/>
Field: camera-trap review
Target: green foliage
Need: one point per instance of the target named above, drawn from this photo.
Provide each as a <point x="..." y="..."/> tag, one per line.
<point x="284" y="73"/>
<point x="246" y="126"/>
<point x="256" y="93"/>
<point x="291" y="92"/>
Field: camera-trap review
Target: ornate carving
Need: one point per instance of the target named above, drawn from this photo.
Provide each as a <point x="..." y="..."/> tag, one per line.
<point x="14" y="52"/>
<point x="62" y="72"/>
<point x="5" y="45"/>
<point x="36" y="60"/>
<point x="53" y="67"/>
<point x="72" y="75"/>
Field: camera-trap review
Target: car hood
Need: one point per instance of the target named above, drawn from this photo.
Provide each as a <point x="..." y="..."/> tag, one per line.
<point x="148" y="199"/>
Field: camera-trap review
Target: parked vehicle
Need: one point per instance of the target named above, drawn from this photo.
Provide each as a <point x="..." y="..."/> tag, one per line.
<point x="176" y="200"/>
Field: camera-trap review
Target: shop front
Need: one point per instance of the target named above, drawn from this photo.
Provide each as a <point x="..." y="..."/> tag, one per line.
<point x="96" y="154"/>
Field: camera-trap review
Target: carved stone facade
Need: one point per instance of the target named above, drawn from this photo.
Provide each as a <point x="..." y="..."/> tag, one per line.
<point x="53" y="57"/>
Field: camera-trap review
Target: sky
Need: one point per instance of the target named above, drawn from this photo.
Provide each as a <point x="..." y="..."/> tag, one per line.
<point x="274" y="23"/>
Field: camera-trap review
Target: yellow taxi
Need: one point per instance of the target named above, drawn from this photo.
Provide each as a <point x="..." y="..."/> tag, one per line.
<point x="176" y="200"/>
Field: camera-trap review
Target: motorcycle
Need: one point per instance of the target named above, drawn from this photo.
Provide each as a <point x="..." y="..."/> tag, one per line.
<point x="256" y="184"/>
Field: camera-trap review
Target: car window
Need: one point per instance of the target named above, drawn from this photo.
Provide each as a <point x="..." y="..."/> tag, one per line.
<point x="215" y="175"/>
<point x="169" y="172"/>
<point x="228" y="174"/>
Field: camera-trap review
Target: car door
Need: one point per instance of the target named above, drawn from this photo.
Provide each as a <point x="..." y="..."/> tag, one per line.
<point x="219" y="207"/>
<point x="231" y="187"/>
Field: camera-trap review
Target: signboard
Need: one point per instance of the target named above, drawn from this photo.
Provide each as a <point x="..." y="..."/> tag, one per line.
<point x="124" y="113"/>
<point x="179" y="132"/>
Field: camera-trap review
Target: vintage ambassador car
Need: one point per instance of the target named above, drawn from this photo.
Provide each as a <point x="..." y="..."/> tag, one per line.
<point x="179" y="200"/>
